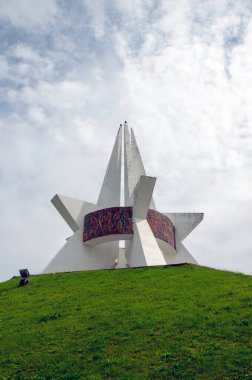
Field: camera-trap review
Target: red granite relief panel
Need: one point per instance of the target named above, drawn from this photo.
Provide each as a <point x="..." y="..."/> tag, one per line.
<point x="161" y="227"/>
<point x="108" y="221"/>
<point x="118" y="221"/>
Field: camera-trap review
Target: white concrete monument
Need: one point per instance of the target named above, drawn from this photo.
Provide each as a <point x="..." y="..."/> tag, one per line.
<point x="151" y="237"/>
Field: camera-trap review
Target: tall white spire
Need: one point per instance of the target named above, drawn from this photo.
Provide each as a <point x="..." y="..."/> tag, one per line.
<point x="111" y="187"/>
<point x="133" y="165"/>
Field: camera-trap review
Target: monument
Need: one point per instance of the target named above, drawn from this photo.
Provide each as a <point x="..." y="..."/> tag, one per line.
<point x="150" y="237"/>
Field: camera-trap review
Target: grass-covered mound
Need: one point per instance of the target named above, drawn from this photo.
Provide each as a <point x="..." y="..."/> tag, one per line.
<point x="182" y="322"/>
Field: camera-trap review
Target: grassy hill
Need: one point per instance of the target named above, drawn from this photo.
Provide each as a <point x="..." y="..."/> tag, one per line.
<point x="184" y="322"/>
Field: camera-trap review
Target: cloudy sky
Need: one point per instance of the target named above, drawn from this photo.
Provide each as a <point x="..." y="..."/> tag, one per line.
<point x="180" y="73"/>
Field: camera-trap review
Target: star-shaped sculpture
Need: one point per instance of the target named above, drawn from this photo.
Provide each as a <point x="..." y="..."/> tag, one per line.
<point x="151" y="238"/>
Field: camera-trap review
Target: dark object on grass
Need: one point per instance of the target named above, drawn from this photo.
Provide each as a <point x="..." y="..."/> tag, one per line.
<point x="23" y="282"/>
<point x="24" y="273"/>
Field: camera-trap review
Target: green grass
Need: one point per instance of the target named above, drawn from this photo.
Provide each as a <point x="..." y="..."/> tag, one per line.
<point x="182" y="322"/>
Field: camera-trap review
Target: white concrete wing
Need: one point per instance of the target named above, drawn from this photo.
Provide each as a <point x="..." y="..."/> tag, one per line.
<point x="184" y="223"/>
<point x="142" y="196"/>
<point x="69" y="209"/>
<point x="183" y="255"/>
<point x="76" y="256"/>
<point x="144" y="249"/>
<point x="172" y="256"/>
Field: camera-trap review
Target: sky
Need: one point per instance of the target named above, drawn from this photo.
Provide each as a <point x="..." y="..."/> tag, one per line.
<point x="179" y="72"/>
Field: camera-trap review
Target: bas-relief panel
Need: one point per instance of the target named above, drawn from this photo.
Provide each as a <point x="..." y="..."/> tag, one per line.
<point x="118" y="221"/>
<point x="161" y="227"/>
<point x="108" y="221"/>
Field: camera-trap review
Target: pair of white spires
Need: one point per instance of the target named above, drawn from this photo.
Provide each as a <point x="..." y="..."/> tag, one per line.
<point x="143" y="247"/>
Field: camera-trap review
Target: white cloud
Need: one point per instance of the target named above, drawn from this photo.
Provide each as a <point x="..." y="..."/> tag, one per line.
<point x="4" y="68"/>
<point x="62" y="95"/>
<point x="28" y="13"/>
<point x="96" y="16"/>
<point x="24" y="52"/>
<point x="37" y="114"/>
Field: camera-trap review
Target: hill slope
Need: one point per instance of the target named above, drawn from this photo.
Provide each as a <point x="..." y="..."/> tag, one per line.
<point x="182" y="322"/>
